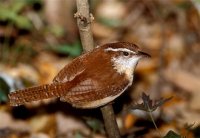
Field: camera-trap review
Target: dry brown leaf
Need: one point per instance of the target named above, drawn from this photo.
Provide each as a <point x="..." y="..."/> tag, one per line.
<point x="43" y="123"/>
<point x="129" y="120"/>
<point x="147" y="66"/>
<point x="6" y="121"/>
<point x="39" y="135"/>
<point x="48" y="66"/>
<point x="24" y="71"/>
<point x="101" y="31"/>
<point x="183" y="79"/>
<point x="186" y="81"/>
<point x="68" y="124"/>
<point x="111" y="9"/>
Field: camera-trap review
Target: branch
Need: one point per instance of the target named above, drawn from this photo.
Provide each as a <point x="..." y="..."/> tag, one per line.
<point x="110" y="121"/>
<point x="84" y="20"/>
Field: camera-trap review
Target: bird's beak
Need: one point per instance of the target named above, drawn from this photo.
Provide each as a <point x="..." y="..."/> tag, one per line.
<point x="143" y="54"/>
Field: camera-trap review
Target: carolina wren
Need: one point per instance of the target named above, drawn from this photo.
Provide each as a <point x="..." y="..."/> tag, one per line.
<point x="90" y="80"/>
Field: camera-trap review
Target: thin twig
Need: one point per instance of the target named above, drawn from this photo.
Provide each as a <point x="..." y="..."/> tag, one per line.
<point x="84" y="19"/>
<point x="152" y="119"/>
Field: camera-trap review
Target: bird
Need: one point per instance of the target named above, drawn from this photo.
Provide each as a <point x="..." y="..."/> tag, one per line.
<point x="91" y="80"/>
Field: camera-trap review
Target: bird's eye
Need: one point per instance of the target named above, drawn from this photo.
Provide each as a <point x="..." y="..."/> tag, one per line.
<point x="125" y="53"/>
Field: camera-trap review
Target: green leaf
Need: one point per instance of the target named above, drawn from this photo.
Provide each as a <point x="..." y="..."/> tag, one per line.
<point x="23" y="22"/>
<point x="185" y="5"/>
<point x="17" y="6"/>
<point x="56" y="30"/>
<point x="95" y="124"/>
<point x="6" y="14"/>
<point x="110" y="22"/>
<point x="20" y="21"/>
<point x="31" y="2"/>
<point x="78" y="135"/>
<point x="172" y="134"/>
<point x="71" y="50"/>
<point x="4" y="90"/>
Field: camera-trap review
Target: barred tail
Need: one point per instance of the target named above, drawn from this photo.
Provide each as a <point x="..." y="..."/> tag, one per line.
<point x="53" y="90"/>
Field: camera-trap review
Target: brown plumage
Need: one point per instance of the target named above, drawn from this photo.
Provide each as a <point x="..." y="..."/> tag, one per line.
<point x="89" y="81"/>
<point x="37" y="93"/>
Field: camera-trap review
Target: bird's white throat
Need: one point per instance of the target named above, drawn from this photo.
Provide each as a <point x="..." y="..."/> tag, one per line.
<point x="125" y="65"/>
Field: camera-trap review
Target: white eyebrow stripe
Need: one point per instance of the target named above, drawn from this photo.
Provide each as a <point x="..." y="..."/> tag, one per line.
<point x="119" y="49"/>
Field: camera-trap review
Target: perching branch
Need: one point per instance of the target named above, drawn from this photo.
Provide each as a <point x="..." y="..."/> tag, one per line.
<point x="84" y="19"/>
<point x="110" y="121"/>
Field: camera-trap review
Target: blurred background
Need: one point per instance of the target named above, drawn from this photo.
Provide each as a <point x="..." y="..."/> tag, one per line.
<point x="39" y="37"/>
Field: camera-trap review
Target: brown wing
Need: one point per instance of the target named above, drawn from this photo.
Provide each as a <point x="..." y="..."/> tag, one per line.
<point x="89" y="94"/>
<point x="82" y="92"/>
<point x="38" y="93"/>
<point x="71" y="70"/>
